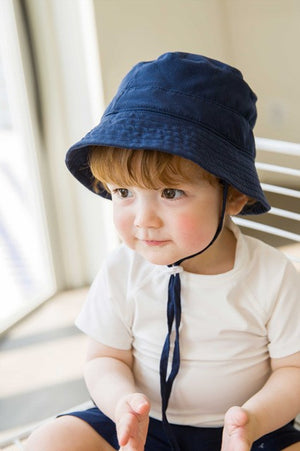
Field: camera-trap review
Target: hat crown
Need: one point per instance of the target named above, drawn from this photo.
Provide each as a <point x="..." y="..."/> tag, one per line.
<point x="194" y="76"/>
<point x="193" y="88"/>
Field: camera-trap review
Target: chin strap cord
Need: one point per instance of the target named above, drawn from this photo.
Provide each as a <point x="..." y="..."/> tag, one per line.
<point x="174" y="316"/>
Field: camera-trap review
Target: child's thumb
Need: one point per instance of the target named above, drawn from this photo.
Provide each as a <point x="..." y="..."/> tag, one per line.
<point x="235" y="417"/>
<point x="140" y="404"/>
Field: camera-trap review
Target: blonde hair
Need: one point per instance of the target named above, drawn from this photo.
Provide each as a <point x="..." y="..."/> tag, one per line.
<point x="145" y="168"/>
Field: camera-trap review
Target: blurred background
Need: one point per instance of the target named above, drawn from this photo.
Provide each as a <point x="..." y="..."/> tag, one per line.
<point x="61" y="62"/>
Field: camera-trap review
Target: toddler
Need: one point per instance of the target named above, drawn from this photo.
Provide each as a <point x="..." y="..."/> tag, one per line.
<point x="193" y="327"/>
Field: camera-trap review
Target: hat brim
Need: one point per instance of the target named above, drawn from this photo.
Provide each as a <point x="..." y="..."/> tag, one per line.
<point x="152" y="130"/>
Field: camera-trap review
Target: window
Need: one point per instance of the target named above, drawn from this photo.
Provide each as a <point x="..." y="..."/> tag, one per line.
<point x="25" y="261"/>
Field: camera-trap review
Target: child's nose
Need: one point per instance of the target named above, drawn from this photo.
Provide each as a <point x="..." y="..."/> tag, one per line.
<point x="146" y="216"/>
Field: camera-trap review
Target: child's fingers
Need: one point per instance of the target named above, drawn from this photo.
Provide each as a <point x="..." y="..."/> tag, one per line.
<point x="126" y="428"/>
<point x="132" y="421"/>
<point x="131" y="433"/>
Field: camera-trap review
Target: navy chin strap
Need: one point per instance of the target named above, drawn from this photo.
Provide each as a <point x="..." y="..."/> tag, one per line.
<point x="174" y="314"/>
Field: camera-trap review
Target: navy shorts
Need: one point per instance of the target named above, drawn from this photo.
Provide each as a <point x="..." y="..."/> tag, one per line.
<point x="189" y="438"/>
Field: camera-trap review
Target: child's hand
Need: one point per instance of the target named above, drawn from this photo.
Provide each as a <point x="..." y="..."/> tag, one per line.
<point x="238" y="430"/>
<point x="132" y="419"/>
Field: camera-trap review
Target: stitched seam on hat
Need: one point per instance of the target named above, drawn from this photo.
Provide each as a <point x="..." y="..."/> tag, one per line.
<point x="204" y="99"/>
<point x="186" y="119"/>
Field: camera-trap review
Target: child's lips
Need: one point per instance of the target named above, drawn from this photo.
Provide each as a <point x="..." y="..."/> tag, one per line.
<point x="155" y="242"/>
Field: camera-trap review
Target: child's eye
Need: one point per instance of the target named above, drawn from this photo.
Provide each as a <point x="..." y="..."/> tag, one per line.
<point x="124" y="193"/>
<point x="172" y="193"/>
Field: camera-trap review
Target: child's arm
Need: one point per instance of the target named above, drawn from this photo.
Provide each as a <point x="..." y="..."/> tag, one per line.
<point x="109" y="378"/>
<point x="277" y="403"/>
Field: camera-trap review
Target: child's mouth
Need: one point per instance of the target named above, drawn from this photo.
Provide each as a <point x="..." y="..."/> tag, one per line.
<point x="155" y="242"/>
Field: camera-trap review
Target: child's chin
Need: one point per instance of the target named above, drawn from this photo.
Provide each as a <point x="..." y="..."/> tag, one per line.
<point x="155" y="255"/>
<point x="157" y="260"/>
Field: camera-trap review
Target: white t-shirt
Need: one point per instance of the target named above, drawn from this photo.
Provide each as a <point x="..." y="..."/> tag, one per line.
<point x="231" y="324"/>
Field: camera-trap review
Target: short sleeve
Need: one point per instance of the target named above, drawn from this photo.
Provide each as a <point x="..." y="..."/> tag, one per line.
<point x="106" y="314"/>
<point x="284" y="322"/>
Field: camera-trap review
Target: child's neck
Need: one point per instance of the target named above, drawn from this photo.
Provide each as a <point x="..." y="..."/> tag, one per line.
<point x="217" y="259"/>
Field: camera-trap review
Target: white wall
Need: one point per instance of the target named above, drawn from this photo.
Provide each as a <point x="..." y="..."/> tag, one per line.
<point x="263" y="38"/>
<point x="134" y="30"/>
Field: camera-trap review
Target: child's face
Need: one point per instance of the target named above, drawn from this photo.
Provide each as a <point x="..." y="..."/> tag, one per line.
<point x="167" y="224"/>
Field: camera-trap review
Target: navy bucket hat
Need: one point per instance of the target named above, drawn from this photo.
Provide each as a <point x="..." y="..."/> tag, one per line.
<point x="187" y="105"/>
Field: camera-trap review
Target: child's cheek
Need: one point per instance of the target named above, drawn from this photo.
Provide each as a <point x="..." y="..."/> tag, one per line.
<point x="120" y="222"/>
<point x="194" y="229"/>
<point x="187" y="224"/>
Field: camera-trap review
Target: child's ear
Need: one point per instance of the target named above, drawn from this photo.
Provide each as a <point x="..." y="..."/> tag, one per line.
<point x="235" y="201"/>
